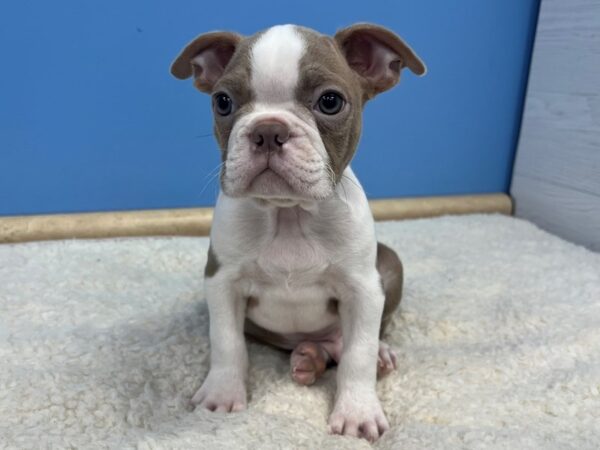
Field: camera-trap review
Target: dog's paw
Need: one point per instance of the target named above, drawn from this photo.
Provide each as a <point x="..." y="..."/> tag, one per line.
<point x="358" y="416"/>
<point x="221" y="392"/>
<point x="387" y="361"/>
<point x="308" y="362"/>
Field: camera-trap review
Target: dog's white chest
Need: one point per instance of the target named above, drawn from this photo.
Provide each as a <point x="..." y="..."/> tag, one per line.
<point x="288" y="310"/>
<point x="289" y="281"/>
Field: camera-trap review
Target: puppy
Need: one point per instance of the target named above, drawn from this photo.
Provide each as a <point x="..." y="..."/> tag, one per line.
<point x="293" y="259"/>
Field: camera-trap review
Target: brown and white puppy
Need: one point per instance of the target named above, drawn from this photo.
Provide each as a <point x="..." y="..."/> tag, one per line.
<point x="293" y="259"/>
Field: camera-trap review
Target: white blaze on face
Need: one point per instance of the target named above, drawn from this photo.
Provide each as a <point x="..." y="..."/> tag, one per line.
<point x="275" y="64"/>
<point x="303" y="162"/>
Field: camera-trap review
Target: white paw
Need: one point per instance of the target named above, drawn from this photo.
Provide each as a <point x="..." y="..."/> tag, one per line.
<point x="358" y="416"/>
<point x="221" y="392"/>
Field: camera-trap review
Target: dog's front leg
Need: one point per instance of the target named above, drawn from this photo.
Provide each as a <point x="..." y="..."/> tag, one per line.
<point x="357" y="411"/>
<point x="224" y="389"/>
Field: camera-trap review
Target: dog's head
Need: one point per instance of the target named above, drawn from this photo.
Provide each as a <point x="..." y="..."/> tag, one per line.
<point x="288" y="101"/>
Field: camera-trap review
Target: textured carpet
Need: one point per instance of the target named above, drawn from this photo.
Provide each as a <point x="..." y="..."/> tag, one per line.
<point x="102" y="343"/>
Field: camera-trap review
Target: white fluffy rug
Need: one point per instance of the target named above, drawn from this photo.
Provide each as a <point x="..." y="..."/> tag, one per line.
<point x="102" y="343"/>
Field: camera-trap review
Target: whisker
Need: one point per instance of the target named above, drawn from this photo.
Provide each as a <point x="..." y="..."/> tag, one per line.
<point x="213" y="175"/>
<point x="216" y="169"/>
<point x="351" y="180"/>
<point x="331" y="173"/>
<point x="345" y="195"/>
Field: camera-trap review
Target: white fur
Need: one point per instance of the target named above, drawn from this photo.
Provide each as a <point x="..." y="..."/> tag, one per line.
<point x="294" y="263"/>
<point x="303" y="162"/>
<point x="293" y="259"/>
<point x="285" y="264"/>
<point x="275" y="60"/>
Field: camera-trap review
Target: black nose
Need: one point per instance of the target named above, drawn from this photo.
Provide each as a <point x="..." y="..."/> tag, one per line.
<point x="270" y="135"/>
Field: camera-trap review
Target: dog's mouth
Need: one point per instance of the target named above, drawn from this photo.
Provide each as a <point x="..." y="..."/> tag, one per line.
<point x="269" y="183"/>
<point x="277" y="181"/>
<point x="295" y="172"/>
<point x="282" y="182"/>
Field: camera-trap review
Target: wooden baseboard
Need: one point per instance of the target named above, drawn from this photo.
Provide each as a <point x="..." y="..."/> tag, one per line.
<point x="196" y="221"/>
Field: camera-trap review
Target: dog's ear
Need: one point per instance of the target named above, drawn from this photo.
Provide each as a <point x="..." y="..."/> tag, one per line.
<point x="206" y="58"/>
<point x="377" y="55"/>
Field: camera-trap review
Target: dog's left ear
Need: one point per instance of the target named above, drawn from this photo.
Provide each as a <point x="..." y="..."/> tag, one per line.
<point x="377" y="55"/>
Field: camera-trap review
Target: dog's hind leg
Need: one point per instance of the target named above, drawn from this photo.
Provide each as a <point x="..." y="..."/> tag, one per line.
<point x="391" y="272"/>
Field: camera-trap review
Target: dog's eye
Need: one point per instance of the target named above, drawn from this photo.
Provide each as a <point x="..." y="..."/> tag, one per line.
<point x="222" y="104"/>
<point x="330" y="103"/>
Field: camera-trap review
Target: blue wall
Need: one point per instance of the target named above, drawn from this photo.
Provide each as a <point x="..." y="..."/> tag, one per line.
<point x="90" y="118"/>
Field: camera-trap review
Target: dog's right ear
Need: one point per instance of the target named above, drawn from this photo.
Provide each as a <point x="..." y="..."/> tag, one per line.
<point x="206" y="58"/>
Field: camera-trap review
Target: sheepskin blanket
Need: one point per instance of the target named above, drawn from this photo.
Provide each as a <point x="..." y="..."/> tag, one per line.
<point x="102" y="343"/>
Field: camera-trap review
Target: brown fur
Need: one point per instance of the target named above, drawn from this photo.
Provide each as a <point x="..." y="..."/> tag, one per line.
<point x="212" y="264"/>
<point x="328" y="62"/>
<point x="355" y="40"/>
<point x="223" y="42"/>
<point x="251" y="302"/>
<point x="323" y="64"/>
<point x="333" y="306"/>
<point x="390" y="269"/>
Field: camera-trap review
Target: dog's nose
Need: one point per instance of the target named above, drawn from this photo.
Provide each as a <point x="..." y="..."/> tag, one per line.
<point x="270" y="135"/>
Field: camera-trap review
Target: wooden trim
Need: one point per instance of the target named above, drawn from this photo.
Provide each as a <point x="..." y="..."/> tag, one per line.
<point x="196" y="221"/>
<point x="412" y="208"/>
